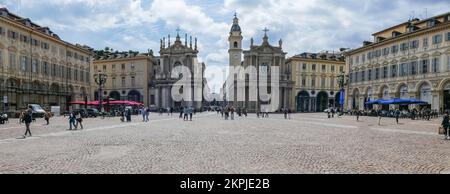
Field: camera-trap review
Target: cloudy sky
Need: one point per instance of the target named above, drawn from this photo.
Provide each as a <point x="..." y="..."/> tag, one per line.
<point x="304" y="25"/>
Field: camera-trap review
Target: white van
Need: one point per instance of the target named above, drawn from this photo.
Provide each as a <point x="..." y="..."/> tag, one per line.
<point x="38" y="111"/>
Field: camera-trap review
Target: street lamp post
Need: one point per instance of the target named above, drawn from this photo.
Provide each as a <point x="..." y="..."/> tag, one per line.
<point x="100" y="79"/>
<point x="343" y="82"/>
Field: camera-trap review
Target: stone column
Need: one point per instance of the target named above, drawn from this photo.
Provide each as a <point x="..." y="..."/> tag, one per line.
<point x="435" y="100"/>
<point x="157" y="96"/>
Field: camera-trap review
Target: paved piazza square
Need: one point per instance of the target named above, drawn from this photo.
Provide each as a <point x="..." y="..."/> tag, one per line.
<point x="309" y="143"/>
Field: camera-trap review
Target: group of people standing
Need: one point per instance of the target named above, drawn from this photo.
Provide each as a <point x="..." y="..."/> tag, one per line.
<point x="145" y="112"/>
<point x="75" y="120"/>
<point x="287" y="113"/>
<point x="187" y="113"/>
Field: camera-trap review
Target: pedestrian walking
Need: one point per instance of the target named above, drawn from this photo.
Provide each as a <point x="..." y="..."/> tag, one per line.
<point x="147" y="115"/>
<point x="28" y="118"/>
<point x="289" y="113"/>
<point x="232" y="113"/>
<point x="446" y="125"/>
<point x="79" y="121"/>
<point x="285" y="113"/>
<point x="397" y="115"/>
<point x="47" y="117"/>
<point x="72" y="121"/>
<point x="122" y="116"/>
<point x="191" y="112"/>
<point x="129" y="115"/>
<point x="186" y="114"/>
<point x="380" y="114"/>
<point x="143" y="113"/>
<point x="357" y="112"/>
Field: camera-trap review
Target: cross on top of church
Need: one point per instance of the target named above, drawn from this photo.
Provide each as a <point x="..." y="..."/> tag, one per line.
<point x="265" y="31"/>
<point x="178" y="31"/>
<point x="235" y="14"/>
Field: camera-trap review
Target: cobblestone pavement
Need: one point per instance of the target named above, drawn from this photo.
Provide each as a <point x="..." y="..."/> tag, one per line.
<point x="309" y="143"/>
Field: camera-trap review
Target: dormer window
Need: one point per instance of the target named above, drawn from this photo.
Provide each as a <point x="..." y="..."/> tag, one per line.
<point x="395" y="34"/>
<point x="431" y="22"/>
<point x="379" y="39"/>
<point x="4" y="13"/>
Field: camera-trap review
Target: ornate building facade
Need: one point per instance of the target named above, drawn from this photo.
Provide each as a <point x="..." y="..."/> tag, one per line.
<point x="409" y="60"/>
<point x="129" y="76"/>
<point x="263" y="57"/>
<point x="316" y="85"/>
<point x="172" y="56"/>
<point x="37" y="67"/>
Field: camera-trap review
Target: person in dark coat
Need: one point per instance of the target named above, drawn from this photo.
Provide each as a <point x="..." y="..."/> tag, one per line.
<point x="28" y="118"/>
<point x="397" y="115"/>
<point x="446" y="125"/>
<point x="72" y="121"/>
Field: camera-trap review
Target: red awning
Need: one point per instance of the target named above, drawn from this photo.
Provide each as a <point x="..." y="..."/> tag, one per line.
<point x="78" y="102"/>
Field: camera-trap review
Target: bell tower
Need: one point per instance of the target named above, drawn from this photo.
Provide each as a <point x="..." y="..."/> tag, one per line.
<point x="235" y="42"/>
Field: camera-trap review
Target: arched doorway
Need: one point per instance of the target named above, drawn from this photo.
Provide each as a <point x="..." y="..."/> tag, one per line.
<point x="134" y="95"/>
<point x="114" y="95"/>
<point x="425" y="94"/>
<point x="403" y="94"/>
<point x="355" y="99"/>
<point x="369" y="97"/>
<point x="303" y="101"/>
<point x="446" y="99"/>
<point x="322" y="101"/>
<point x="385" y="95"/>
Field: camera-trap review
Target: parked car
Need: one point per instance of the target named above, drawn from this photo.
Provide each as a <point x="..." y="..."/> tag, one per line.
<point x="92" y="112"/>
<point x="37" y="110"/>
<point x="82" y="111"/>
<point x="3" y="118"/>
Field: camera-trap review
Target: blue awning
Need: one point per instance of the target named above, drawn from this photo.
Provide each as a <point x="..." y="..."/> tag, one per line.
<point x="396" y="101"/>
<point x="379" y="101"/>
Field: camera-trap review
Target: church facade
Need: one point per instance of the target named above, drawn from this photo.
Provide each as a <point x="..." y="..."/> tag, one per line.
<point x="261" y="58"/>
<point x="172" y="56"/>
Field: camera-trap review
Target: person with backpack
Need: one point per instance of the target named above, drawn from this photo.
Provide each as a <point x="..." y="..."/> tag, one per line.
<point x="28" y="118"/>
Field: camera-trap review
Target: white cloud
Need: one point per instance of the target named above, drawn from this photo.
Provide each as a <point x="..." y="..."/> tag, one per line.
<point x="304" y="25"/>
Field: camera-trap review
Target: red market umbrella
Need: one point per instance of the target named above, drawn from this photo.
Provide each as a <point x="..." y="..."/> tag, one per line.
<point x="118" y="102"/>
<point x="77" y="102"/>
<point x="94" y="103"/>
<point x="133" y="103"/>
